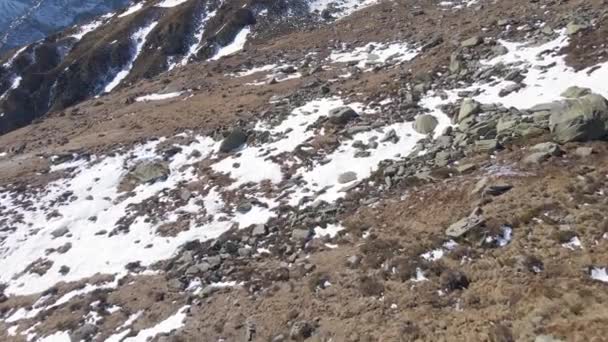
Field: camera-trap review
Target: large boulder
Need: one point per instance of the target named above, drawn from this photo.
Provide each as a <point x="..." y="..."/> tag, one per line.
<point x="468" y="108"/>
<point x="342" y="115"/>
<point x="425" y="124"/>
<point x="579" y="119"/>
<point x="149" y="171"/>
<point x="235" y="139"/>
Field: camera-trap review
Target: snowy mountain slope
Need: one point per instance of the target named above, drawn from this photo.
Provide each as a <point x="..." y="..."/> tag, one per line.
<point x="23" y="22"/>
<point x="354" y="180"/>
<point x="84" y="61"/>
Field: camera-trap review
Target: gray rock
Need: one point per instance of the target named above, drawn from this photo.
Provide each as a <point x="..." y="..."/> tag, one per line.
<point x="465" y="168"/>
<point x="185" y="195"/>
<point x="469" y="107"/>
<point x="547" y="338"/>
<point x="486" y="145"/>
<point x="149" y="171"/>
<point x="301" y="235"/>
<point x="575" y="92"/>
<point x="471" y="42"/>
<point x="235" y="139"/>
<point x="442" y="158"/>
<point x="64" y="248"/>
<point x="552" y="149"/>
<point x="455" y="63"/>
<point x="59" y="232"/>
<point x="279" y="338"/>
<point x="353" y="261"/>
<point x="85" y="332"/>
<point x="259" y="230"/>
<point x="464" y="225"/>
<point x="580" y="119"/>
<point x="244" y="207"/>
<point x="536" y="158"/>
<point x="505" y="125"/>
<point x="497" y="189"/>
<point x="480" y="186"/>
<point x="510" y="89"/>
<point x="547" y="30"/>
<point x="347" y="177"/>
<point x="425" y="124"/>
<point x="301" y="330"/>
<point x="245" y="251"/>
<point x="583" y="151"/>
<point x="342" y="115"/>
<point x="574" y="27"/>
<point x="358" y="129"/>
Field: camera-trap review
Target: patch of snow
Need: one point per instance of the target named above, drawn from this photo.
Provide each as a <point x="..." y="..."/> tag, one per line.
<point x="139" y="40"/>
<point x="503" y="239"/>
<point x="170" y="3"/>
<point x="158" y="97"/>
<point x="573" y="244"/>
<point x="255" y="70"/>
<point x="419" y="276"/>
<point x="331" y="230"/>
<point x="17" y="53"/>
<point x="223" y="284"/>
<point x="86" y="28"/>
<point x="60" y="336"/>
<point x="236" y="45"/>
<point x="599" y="274"/>
<point x="198" y="38"/>
<point x="131" y="319"/>
<point x="547" y="74"/>
<point x="170" y="324"/>
<point x="14" y="85"/>
<point x="325" y="176"/>
<point x="344" y="7"/>
<point x="12" y="330"/>
<point x="373" y="54"/>
<point x="438" y="253"/>
<point x="134" y="8"/>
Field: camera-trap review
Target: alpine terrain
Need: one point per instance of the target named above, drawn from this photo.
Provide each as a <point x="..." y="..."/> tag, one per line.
<point x="25" y="21"/>
<point x="308" y="170"/>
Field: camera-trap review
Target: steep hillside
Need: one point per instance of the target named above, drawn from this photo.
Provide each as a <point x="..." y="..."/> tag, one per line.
<point x="25" y="21"/>
<point x="120" y="48"/>
<point x="391" y="170"/>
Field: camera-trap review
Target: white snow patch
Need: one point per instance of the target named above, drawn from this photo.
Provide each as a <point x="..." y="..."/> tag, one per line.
<point x="139" y="40"/>
<point x="599" y="274"/>
<point x="170" y="3"/>
<point x="158" y="97"/>
<point x="14" y="85"/>
<point x="438" y="253"/>
<point x="331" y="230"/>
<point x="573" y="244"/>
<point x="542" y="85"/>
<point x="60" y="336"/>
<point x="86" y="28"/>
<point x="373" y="54"/>
<point x="419" y="276"/>
<point x="255" y="70"/>
<point x="172" y="323"/>
<point x="134" y="8"/>
<point x="236" y="45"/>
<point x="17" y="53"/>
<point x="344" y="7"/>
